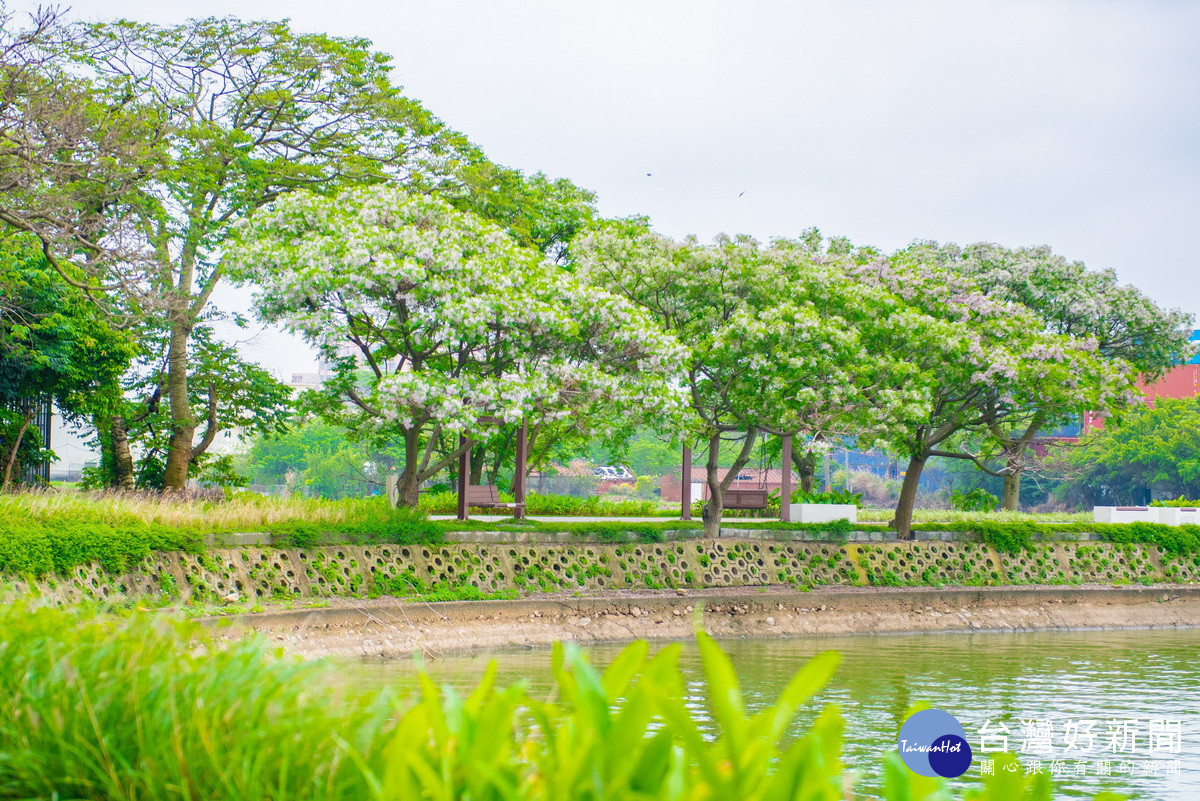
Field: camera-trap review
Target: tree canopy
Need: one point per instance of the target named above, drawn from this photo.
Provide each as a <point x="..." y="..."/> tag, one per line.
<point x="55" y="346"/>
<point x="454" y="326"/>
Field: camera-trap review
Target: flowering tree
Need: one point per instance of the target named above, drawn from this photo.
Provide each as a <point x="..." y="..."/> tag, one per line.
<point x="1125" y="331"/>
<point x="990" y="362"/>
<point x="772" y="336"/>
<point x="455" y="327"/>
<point x="869" y="390"/>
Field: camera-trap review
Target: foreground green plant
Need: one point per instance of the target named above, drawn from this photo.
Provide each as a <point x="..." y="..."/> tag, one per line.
<point x="152" y="707"/>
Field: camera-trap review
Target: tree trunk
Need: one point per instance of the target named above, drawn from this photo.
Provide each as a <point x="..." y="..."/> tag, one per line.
<point x="10" y="460"/>
<point x="183" y="422"/>
<point x="478" y="457"/>
<point x="122" y="458"/>
<point x="714" y="510"/>
<point x="408" y="483"/>
<point x="806" y="468"/>
<point x="1011" y="502"/>
<point x="908" y="498"/>
<point x="407" y="489"/>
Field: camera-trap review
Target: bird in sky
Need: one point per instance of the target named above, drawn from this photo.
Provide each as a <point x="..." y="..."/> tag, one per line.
<point x="649" y="174"/>
<point x="743" y="192"/>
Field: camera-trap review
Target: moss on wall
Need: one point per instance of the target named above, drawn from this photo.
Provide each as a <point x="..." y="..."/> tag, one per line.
<point x="413" y="570"/>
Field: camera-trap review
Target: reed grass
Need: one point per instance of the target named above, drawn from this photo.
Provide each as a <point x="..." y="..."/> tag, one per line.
<point x="244" y="512"/>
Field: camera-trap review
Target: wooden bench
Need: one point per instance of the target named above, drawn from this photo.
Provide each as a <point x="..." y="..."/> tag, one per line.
<point x="745" y="499"/>
<point x="486" y="496"/>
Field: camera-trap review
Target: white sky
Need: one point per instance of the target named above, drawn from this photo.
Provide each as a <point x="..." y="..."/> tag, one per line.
<point x="1073" y="123"/>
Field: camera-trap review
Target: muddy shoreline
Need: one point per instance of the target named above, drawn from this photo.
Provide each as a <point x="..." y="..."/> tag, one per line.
<point x="387" y="628"/>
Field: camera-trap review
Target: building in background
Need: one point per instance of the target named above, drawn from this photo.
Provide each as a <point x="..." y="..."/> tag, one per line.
<point x="1179" y="382"/>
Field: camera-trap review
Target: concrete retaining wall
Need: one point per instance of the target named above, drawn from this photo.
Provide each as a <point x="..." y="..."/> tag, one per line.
<point x="363" y="570"/>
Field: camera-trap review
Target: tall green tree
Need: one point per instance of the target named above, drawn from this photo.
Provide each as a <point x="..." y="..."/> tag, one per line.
<point x="772" y="336"/>
<point x="989" y="362"/>
<point x="216" y="118"/>
<point x="55" y="346"/>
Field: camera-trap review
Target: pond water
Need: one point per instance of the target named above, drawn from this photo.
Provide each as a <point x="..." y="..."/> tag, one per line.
<point x="1139" y="689"/>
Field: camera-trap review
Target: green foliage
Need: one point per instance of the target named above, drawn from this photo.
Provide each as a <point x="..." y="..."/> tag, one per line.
<point x="317" y="459"/>
<point x="1151" y="447"/>
<point x="148" y="707"/>
<point x="1180" y="502"/>
<point x="1007" y="537"/>
<point x="1175" y="540"/>
<point x="31" y="548"/>
<point x="833" y="496"/>
<point x="55" y="345"/>
<point x="446" y="503"/>
<point x="399" y="526"/>
<point x="409" y="585"/>
<point x="976" y="500"/>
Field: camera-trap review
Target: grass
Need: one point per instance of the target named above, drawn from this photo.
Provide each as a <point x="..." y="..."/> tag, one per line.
<point x="152" y="707"/>
<point x="244" y="512"/>
<point x="951" y="516"/>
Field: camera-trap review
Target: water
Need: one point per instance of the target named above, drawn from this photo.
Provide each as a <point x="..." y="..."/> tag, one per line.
<point x="1121" y="680"/>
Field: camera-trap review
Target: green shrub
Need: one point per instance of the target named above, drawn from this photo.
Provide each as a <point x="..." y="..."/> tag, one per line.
<point x="446" y="503"/>
<point x="398" y="526"/>
<point x="833" y="496"/>
<point x="977" y="500"/>
<point x="1179" y="502"/>
<point x="32" y="548"/>
<point x="1007" y="537"/>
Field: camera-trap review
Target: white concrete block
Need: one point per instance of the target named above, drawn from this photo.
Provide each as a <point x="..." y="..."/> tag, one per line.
<point x="1126" y="514"/>
<point x="823" y="512"/>
<point x="1175" y="515"/>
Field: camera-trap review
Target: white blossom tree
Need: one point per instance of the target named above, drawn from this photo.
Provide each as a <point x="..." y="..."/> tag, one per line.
<point x="989" y="360"/>
<point x="456" y="327"/>
<point x="772" y="336"/>
<point x="1131" y="335"/>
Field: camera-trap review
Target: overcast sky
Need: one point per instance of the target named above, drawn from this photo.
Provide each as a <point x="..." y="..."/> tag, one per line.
<point x="1074" y="124"/>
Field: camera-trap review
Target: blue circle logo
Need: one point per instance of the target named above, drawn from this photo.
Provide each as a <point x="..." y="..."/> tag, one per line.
<point x="933" y="743"/>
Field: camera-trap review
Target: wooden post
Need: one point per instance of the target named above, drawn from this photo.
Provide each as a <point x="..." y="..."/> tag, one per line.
<point x="685" y="489"/>
<point x="785" y="482"/>
<point x="464" y="475"/>
<point x="518" y="484"/>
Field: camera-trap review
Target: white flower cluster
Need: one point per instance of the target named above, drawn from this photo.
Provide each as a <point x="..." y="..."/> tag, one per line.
<point x="474" y="326"/>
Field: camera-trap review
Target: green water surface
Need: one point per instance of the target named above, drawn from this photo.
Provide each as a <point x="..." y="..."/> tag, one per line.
<point x="1041" y="686"/>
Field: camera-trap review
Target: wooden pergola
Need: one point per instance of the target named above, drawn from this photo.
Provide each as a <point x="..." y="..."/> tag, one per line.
<point x="785" y="487"/>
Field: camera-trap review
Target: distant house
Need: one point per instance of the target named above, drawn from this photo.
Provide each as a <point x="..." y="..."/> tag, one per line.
<point x="1182" y="381"/>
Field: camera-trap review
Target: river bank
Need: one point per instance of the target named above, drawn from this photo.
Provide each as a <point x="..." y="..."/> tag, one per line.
<point x="386" y="628"/>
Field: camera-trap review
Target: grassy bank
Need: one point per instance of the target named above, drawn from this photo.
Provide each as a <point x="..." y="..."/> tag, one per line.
<point x="247" y="511"/>
<point x="148" y="707"/>
<point x="50" y="534"/>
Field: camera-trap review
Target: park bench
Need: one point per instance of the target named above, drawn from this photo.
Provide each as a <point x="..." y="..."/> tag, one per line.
<point x="745" y="499"/>
<point x="486" y="496"/>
